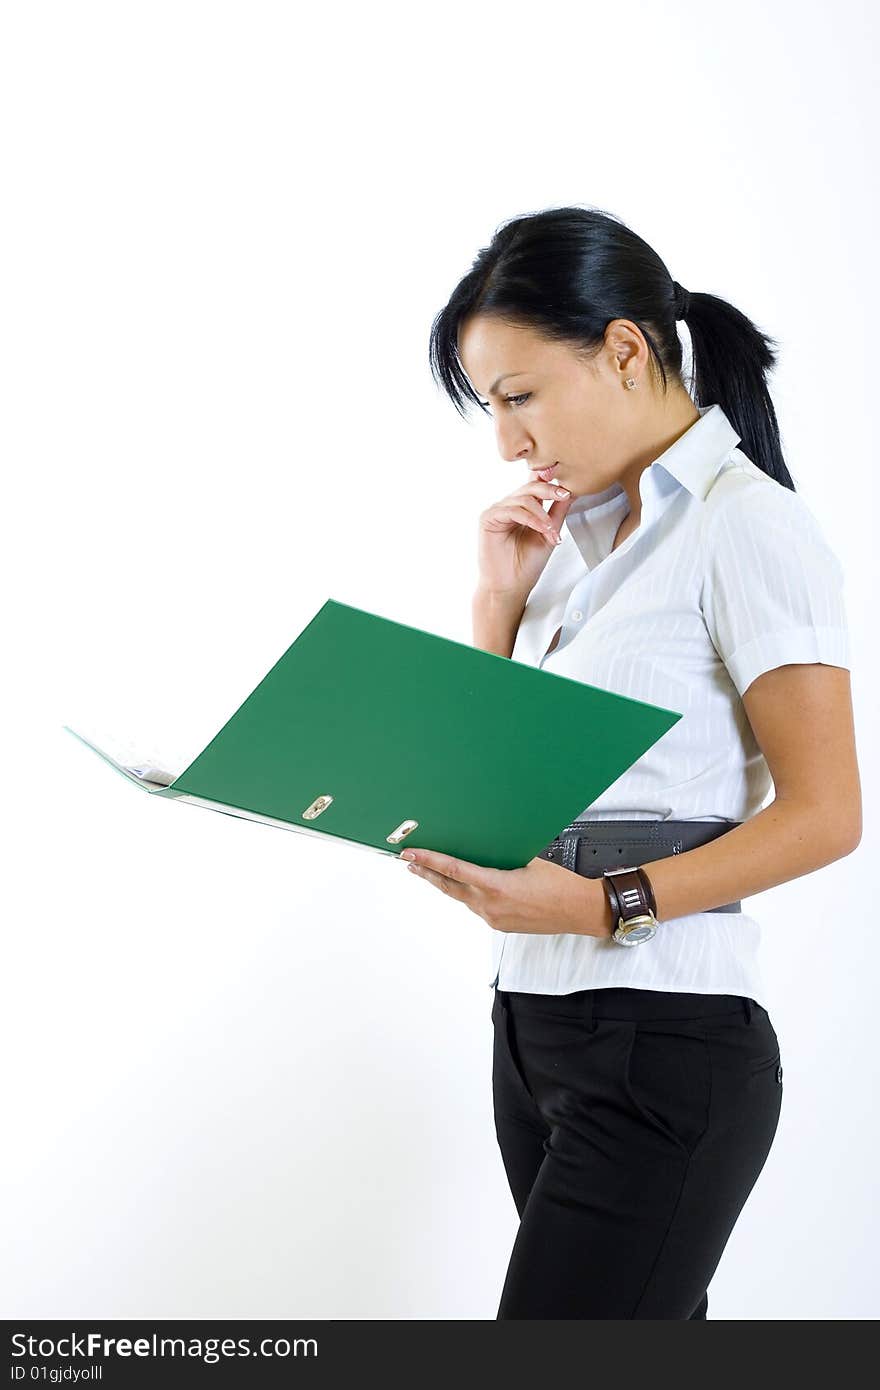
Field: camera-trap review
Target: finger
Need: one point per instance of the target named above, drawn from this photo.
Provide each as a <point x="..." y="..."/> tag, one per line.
<point x="460" y="870"/>
<point x="471" y="898"/>
<point x="533" y="496"/>
<point x="537" y="519"/>
<point x="544" y="524"/>
<point x="460" y="891"/>
<point x="536" y="487"/>
<point x="560" y="499"/>
<point x="516" y="505"/>
<point x="558" y="509"/>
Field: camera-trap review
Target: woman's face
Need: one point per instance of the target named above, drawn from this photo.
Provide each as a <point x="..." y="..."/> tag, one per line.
<point x="555" y="406"/>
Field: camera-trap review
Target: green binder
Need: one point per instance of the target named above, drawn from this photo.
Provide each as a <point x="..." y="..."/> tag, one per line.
<point x="381" y="735"/>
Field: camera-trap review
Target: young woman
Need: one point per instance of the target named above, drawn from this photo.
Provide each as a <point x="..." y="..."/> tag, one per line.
<point x="636" y="1071"/>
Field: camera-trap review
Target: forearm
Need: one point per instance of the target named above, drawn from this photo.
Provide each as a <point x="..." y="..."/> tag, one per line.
<point x="496" y="618"/>
<point x="784" y="841"/>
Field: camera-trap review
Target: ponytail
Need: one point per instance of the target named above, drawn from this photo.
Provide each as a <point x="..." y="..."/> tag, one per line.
<point x="731" y="359"/>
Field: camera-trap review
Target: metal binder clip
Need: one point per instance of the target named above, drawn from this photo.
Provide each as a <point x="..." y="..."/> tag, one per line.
<point x="405" y="828"/>
<point x="320" y="804"/>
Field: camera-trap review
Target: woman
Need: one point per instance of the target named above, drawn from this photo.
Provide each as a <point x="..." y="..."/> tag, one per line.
<point x="636" y="1071"/>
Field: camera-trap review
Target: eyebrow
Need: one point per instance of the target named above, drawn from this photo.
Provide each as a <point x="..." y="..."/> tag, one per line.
<point x="494" y="387"/>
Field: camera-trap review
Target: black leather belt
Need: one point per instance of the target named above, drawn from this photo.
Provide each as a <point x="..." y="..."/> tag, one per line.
<point x="589" y="847"/>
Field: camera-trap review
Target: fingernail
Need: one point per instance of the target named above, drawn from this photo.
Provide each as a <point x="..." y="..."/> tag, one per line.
<point x="562" y="492"/>
<point x="407" y="854"/>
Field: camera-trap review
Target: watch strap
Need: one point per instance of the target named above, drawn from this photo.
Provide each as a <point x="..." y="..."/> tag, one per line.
<point x="648" y="889"/>
<point x="629" y="893"/>
<point x="613" y="900"/>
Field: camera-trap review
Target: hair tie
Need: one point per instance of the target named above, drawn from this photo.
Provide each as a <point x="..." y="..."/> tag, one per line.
<point x="682" y="300"/>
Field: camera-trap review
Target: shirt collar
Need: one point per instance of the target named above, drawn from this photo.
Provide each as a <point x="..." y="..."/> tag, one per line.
<point x="695" y="458"/>
<point x="692" y="462"/>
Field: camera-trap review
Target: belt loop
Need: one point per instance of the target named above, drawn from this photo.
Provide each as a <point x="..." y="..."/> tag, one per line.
<point x="747" y="1009"/>
<point x="588" y="1011"/>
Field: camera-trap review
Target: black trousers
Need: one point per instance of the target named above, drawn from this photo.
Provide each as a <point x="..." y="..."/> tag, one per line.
<point x="632" y="1125"/>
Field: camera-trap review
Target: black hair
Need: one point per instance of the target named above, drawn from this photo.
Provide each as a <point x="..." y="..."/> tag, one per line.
<point x="567" y="272"/>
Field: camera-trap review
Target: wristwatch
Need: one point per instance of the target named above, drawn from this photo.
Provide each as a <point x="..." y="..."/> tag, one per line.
<point x="632" y="902"/>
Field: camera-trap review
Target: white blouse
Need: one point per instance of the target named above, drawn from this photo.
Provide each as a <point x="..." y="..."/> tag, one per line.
<point x="727" y="575"/>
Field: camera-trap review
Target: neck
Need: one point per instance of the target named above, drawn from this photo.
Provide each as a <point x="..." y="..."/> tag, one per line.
<point x="662" y="431"/>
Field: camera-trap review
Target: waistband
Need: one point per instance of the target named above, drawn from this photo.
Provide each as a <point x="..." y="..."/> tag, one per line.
<point x="589" y="847"/>
<point x="628" y="1004"/>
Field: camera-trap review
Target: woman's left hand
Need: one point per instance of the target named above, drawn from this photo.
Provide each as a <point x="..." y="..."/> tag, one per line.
<point x="541" y="897"/>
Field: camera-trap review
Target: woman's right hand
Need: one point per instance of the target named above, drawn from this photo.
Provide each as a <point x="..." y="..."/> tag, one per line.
<point x="517" y="537"/>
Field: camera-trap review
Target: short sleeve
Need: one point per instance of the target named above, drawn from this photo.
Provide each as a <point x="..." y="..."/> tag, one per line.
<point x="773" y="589"/>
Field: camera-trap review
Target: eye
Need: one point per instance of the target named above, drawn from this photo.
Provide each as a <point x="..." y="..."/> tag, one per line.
<point x="515" y="401"/>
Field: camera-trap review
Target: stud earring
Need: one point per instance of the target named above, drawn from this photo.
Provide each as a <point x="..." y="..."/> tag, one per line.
<point x="630" y="383"/>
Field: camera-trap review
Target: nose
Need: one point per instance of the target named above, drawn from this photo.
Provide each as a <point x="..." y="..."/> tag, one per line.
<point x="513" y="446"/>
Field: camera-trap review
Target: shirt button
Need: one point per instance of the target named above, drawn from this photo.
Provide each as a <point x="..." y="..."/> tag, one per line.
<point x="576" y="615"/>
<point x="779" y="1073"/>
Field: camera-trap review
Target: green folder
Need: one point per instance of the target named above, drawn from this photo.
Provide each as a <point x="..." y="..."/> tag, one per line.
<point x="382" y="735"/>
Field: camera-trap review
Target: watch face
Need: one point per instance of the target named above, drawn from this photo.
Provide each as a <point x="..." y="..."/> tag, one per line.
<point x="636" y="935"/>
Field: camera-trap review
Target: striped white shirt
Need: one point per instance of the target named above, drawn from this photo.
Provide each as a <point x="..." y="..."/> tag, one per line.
<point x="727" y="575"/>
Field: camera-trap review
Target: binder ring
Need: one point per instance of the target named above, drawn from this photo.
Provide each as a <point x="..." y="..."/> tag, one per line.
<point x="405" y="828"/>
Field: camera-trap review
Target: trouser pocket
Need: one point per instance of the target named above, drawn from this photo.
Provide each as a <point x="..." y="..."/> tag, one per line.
<point x="668" y="1079"/>
<point x="506" y="1060"/>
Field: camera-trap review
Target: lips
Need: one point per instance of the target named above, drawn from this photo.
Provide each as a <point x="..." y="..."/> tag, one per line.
<point x="546" y="473"/>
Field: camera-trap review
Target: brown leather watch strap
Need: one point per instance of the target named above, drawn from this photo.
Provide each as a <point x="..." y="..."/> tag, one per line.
<point x="613" y="901"/>
<point x="629" y="893"/>
<point x="648" y="889"/>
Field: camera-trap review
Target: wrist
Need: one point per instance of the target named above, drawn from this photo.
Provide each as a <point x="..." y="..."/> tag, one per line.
<point x="606" y="916"/>
<point x="630" y="896"/>
<point x="508" y="600"/>
<point x="496" y="619"/>
<point x="593" y="916"/>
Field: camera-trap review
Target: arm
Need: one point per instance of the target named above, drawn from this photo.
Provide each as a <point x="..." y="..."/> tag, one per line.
<point x="496" y="617"/>
<point x="802" y="718"/>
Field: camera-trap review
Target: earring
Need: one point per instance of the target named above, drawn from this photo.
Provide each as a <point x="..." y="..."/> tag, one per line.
<point x="630" y="383"/>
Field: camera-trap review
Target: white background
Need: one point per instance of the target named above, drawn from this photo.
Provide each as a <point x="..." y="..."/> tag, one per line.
<point x="247" y="1073"/>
